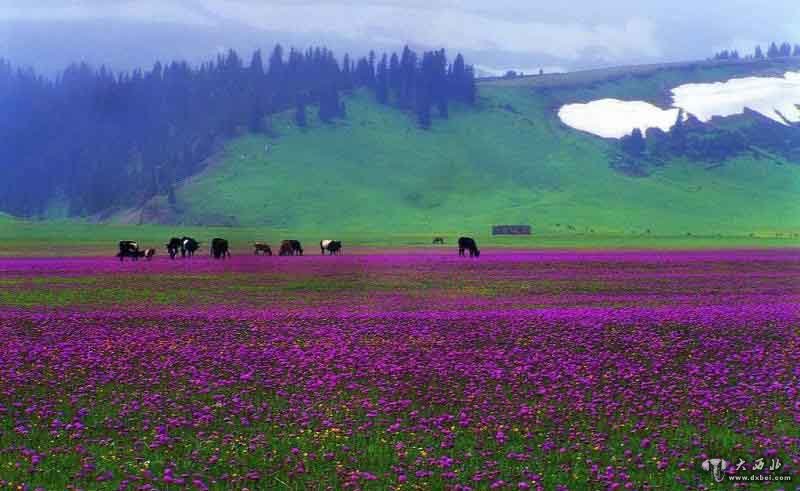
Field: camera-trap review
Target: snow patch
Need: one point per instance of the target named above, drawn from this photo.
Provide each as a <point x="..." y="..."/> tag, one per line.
<point x="768" y="96"/>
<point x="613" y="118"/>
<point x="777" y="98"/>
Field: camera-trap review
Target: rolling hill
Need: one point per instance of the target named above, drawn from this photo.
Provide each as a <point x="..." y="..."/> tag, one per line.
<point x="509" y="160"/>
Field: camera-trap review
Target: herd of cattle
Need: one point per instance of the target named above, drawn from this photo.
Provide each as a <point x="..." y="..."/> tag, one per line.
<point x="220" y="249"/>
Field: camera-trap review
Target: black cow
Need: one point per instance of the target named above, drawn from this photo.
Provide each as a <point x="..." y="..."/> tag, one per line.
<point x="219" y="249"/>
<point x="468" y="244"/>
<point x="128" y="248"/>
<point x="189" y="246"/>
<point x="261" y="247"/>
<point x="334" y="247"/>
<point x="148" y="253"/>
<point x="438" y="240"/>
<point x="290" y="248"/>
<point x="174" y="246"/>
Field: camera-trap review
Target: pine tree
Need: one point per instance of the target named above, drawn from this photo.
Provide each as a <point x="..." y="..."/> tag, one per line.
<point x="171" y="198"/>
<point x="425" y="88"/>
<point x="395" y="75"/>
<point x="439" y="83"/>
<point x="382" y="81"/>
<point x="677" y="134"/>
<point x="458" y="76"/>
<point x="347" y="75"/>
<point x="329" y="105"/>
<point x="408" y="75"/>
<point x="371" y="72"/>
<point x="257" y="65"/>
<point x="471" y="89"/>
<point x="300" y="114"/>
<point x="276" y="62"/>
<point x="772" y="51"/>
<point x="423" y="109"/>
<point x="634" y="144"/>
<point x="758" y="54"/>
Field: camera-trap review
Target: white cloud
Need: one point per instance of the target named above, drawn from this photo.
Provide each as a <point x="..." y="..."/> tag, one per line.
<point x="446" y="25"/>
<point x="142" y="10"/>
<point x="499" y="32"/>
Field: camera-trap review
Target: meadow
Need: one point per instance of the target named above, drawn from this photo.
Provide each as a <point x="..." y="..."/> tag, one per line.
<point x="399" y="369"/>
<point x="66" y="238"/>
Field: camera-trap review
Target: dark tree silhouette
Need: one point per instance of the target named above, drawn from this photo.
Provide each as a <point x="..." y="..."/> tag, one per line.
<point x="102" y="140"/>
<point x="300" y="118"/>
<point x="382" y="81"/>
<point x="773" y="51"/>
<point x="634" y="143"/>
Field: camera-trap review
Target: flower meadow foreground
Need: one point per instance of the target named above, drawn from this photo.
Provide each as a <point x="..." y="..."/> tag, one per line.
<point x="408" y="370"/>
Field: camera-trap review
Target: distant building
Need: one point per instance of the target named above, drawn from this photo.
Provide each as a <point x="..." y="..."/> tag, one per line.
<point x="511" y="230"/>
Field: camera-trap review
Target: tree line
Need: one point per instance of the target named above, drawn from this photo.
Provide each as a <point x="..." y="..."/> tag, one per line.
<point x="774" y="50"/>
<point x="93" y="139"/>
<point x="421" y="85"/>
<point x="688" y="137"/>
<point x="696" y="141"/>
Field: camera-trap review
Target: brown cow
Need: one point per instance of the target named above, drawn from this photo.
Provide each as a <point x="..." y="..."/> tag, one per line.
<point x="261" y="247"/>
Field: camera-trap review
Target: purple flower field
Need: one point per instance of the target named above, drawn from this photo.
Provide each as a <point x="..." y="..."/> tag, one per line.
<point x="405" y="370"/>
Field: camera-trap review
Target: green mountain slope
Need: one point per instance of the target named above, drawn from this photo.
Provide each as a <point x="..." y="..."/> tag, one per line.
<point x="507" y="161"/>
<point x="6" y="219"/>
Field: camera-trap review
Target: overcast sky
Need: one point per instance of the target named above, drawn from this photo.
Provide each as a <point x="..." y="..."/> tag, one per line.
<point x="495" y="33"/>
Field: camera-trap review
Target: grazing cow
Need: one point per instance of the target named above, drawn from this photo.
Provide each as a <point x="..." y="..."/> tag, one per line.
<point x="149" y="253"/>
<point x="438" y="240"/>
<point x="219" y="249"/>
<point x="189" y="246"/>
<point x="468" y="244"/>
<point x="334" y="247"/>
<point x="286" y="249"/>
<point x="128" y="248"/>
<point x="173" y="246"/>
<point x="290" y="248"/>
<point x="260" y="247"/>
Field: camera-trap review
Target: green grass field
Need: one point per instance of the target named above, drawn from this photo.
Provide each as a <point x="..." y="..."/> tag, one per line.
<point x="66" y="238"/>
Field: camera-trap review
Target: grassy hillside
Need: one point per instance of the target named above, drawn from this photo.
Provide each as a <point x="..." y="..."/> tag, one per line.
<point x="508" y="161"/>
